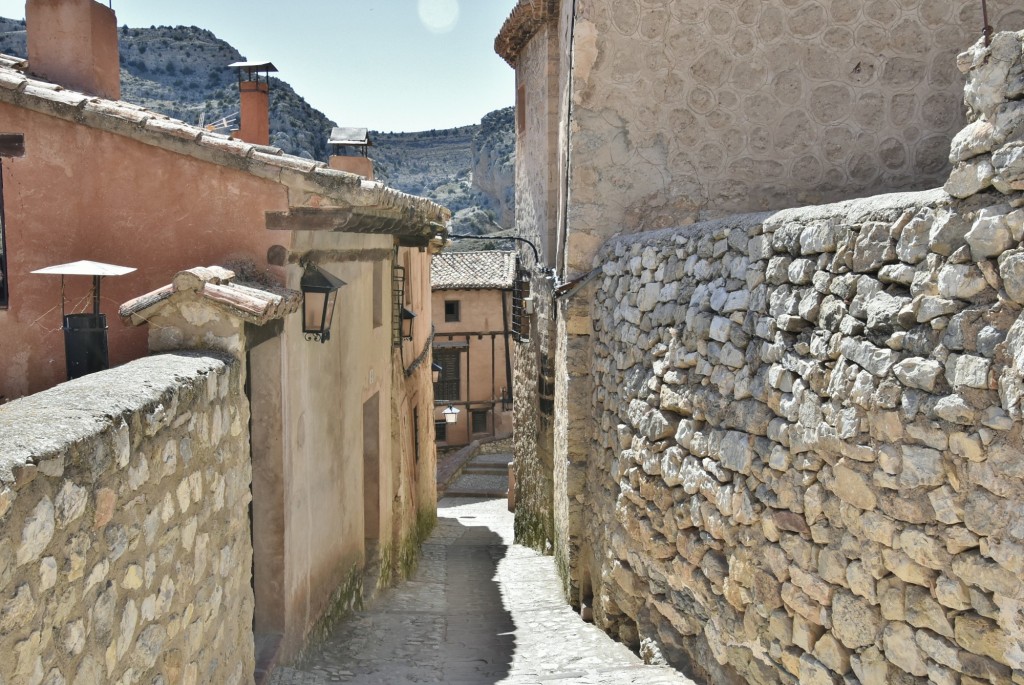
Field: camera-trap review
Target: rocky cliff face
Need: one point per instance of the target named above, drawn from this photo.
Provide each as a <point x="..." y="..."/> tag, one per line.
<point x="494" y="163"/>
<point x="470" y="170"/>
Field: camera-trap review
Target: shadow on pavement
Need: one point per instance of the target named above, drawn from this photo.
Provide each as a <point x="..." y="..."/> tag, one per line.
<point x="447" y="624"/>
<point x="480" y="637"/>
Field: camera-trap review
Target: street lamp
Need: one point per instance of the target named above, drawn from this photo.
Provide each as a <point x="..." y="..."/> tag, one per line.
<point x="319" y="295"/>
<point x="451" y="414"/>
<point x="407" y="317"/>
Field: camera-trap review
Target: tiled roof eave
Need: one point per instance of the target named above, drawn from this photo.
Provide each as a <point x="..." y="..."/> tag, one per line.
<point x="526" y="19"/>
<point x="151" y="128"/>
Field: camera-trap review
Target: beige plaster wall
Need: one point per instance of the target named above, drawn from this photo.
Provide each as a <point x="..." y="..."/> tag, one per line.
<point x="691" y="109"/>
<point x="325" y="388"/>
<point x="81" y="193"/>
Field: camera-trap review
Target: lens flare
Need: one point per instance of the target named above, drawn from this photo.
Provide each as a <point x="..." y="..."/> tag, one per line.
<point x="439" y="16"/>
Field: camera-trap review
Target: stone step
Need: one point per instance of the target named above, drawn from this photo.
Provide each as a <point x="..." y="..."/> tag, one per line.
<point x="479" y="485"/>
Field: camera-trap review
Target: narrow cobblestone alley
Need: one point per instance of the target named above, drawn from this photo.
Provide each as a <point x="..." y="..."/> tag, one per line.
<point x="479" y="610"/>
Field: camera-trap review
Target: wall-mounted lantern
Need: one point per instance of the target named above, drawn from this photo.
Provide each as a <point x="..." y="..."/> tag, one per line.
<point x="451" y="414"/>
<point x="435" y="372"/>
<point x="407" y="317"/>
<point x="319" y="295"/>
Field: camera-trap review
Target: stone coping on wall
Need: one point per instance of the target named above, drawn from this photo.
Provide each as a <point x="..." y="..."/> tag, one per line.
<point x="44" y="427"/>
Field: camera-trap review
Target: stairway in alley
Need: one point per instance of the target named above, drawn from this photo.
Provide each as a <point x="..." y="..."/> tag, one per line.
<point x="479" y="610"/>
<point x="485" y="476"/>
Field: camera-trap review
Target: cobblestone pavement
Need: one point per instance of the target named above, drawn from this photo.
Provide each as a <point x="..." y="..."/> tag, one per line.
<point x="479" y="610"/>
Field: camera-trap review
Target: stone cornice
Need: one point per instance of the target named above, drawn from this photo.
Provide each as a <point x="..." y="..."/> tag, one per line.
<point x="523" y="23"/>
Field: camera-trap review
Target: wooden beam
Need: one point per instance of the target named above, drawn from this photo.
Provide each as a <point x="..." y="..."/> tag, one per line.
<point x="310" y="219"/>
<point x="12" y="145"/>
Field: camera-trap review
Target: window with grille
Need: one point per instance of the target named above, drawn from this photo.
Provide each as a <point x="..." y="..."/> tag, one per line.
<point x="447" y="387"/>
<point x="479" y="421"/>
<point x="520" y="306"/>
<point x="441" y="431"/>
<point x="397" y="303"/>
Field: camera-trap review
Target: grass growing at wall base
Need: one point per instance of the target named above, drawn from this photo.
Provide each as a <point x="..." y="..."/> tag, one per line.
<point x="346" y="599"/>
<point x="409" y="556"/>
<point x="531" y="531"/>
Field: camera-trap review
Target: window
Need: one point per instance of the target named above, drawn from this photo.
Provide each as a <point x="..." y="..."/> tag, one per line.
<point x="479" y="421"/>
<point x="447" y="387"/>
<point x="440" y="431"/>
<point x="11" y="145"/>
<point x="520" y="109"/>
<point x="451" y="310"/>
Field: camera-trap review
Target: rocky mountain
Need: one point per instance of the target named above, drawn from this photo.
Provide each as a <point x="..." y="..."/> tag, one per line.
<point x="470" y="170"/>
<point x="181" y="71"/>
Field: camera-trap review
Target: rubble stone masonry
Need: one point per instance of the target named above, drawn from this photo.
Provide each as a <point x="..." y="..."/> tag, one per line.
<point x="125" y="552"/>
<point x="807" y="464"/>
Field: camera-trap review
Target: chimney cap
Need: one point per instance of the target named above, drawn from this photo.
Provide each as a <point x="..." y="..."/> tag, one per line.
<point x="349" y="135"/>
<point x="254" y="66"/>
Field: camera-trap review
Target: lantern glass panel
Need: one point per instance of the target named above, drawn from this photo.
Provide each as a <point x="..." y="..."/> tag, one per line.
<point x="313" y="312"/>
<point x="332" y="298"/>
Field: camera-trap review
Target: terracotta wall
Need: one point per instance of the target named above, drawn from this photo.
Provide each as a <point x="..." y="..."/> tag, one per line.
<point x="81" y="193"/>
<point x="482" y="372"/>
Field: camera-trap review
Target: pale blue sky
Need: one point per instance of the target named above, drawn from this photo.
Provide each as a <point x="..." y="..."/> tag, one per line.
<point x="390" y="65"/>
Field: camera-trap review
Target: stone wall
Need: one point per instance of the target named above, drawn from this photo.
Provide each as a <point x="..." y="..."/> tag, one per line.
<point x="125" y="552"/>
<point x="806" y="461"/>
<point x="692" y="110"/>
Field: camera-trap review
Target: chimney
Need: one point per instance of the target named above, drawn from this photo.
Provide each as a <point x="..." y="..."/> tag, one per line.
<point x="350" y="151"/>
<point x="255" y="101"/>
<point x="74" y="43"/>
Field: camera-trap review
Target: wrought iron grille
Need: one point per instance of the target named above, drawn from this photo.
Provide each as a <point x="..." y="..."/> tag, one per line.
<point x="520" y="305"/>
<point x="447" y="387"/>
<point x="397" y="303"/>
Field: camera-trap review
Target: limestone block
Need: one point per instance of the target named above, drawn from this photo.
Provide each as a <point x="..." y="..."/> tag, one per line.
<point x="975" y="570"/>
<point x="813" y="672"/>
<point x="922" y="611"/>
<point x="871" y="667"/>
<point x="736" y="451"/>
<point x="901" y="649"/>
<point x="875" y="360"/>
<point x="947" y="232"/>
<point x="872" y="248"/>
<point x="972" y="140"/>
<point x="968" y="178"/>
<point x="961" y="281"/>
<point x="852" y="487"/>
<point x="990" y="234"/>
<point x="919" y="373"/>
<point x="37" y="531"/>
<point x="922" y="466"/>
<point x="1008" y="164"/>
<point x="924" y="549"/>
<point x="906" y="569"/>
<point x="954" y="408"/>
<point x="855" y="621"/>
<point x="1011" y="270"/>
<point x="981" y="636"/>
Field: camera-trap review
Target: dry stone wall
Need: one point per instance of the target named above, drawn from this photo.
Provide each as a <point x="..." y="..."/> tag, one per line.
<point x="125" y="552"/>
<point x="808" y="461"/>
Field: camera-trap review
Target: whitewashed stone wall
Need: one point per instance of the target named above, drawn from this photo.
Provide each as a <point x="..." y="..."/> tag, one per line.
<point x="808" y="460"/>
<point x="125" y="552"/>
